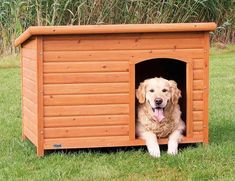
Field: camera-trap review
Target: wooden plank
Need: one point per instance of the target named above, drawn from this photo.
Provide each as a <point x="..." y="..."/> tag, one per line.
<point x="60" y="143"/>
<point x="30" y="64"/>
<point x="40" y="107"/>
<point x="30" y="43"/>
<point x="198" y="126"/>
<point x="198" y="84"/>
<point x="132" y="102"/>
<point x="124" y="36"/>
<point x="30" y="124"/>
<point x="198" y="74"/>
<point x="73" y="121"/>
<point x="197" y="95"/>
<point x="30" y="95"/>
<point x="121" y="55"/>
<point x="29" y="115"/>
<point x="29" y="53"/>
<point x="30" y="105"/>
<point x="29" y="84"/>
<point x="51" y="100"/>
<point x="198" y="105"/>
<point x="71" y="78"/>
<point x="31" y="136"/>
<point x="198" y="64"/>
<point x="198" y="115"/>
<point x="86" y="88"/>
<point x="114" y="66"/>
<point x="73" y="132"/>
<point x="29" y="74"/>
<point x="86" y="110"/>
<point x="122" y="44"/>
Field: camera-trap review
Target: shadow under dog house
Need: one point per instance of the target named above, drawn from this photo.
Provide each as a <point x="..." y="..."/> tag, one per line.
<point x="78" y="82"/>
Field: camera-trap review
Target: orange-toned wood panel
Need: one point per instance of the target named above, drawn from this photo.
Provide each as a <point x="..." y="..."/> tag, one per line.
<point x="198" y="84"/>
<point x="198" y="105"/>
<point x="30" y="105"/>
<point x="86" y="110"/>
<point x="29" y="84"/>
<point x="86" y="77"/>
<point x="122" y="55"/>
<point x="30" y="124"/>
<point x="198" y="115"/>
<point x="31" y="136"/>
<point x="30" y="95"/>
<point x="198" y="95"/>
<point x="71" y="132"/>
<point x="198" y="74"/>
<point x="86" y="99"/>
<point x="70" y="121"/>
<point x="29" y="53"/>
<point x="114" y="66"/>
<point x="198" y="126"/>
<point x="86" y="88"/>
<point x="30" y="43"/>
<point x="86" y="142"/>
<point x="29" y="64"/>
<point x="122" y="44"/>
<point x="198" y="64"/>
<point x="29" y="74"/>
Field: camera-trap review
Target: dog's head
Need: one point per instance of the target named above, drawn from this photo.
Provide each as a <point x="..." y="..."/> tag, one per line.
<point x="159" y="93"/>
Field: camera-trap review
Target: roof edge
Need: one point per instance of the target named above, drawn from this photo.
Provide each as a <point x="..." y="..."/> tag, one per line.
<point x="115" y="28"/>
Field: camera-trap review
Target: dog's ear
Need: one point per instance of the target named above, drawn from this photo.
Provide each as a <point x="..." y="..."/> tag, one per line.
<point x="140" y="93"/>
<point x="175" y="92"/>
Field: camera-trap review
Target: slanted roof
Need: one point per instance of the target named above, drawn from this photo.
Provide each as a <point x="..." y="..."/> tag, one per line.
<point x="120" y="28"/>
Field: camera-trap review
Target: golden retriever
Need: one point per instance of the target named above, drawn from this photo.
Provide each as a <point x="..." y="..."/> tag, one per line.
<point x="159" y="114"/>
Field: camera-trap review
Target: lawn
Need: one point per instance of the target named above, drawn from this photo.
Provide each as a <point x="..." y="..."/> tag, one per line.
<point x="18" y="160"/>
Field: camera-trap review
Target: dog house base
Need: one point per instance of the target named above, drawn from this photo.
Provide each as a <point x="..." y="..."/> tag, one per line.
<point x="78" y="82"/>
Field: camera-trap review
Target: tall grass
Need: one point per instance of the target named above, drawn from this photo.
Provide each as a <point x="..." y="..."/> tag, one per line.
<point x="17" y="15"/>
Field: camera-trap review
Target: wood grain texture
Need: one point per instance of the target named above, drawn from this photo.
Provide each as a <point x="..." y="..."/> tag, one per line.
<point x="86" y="110"/>
<point x="94" y="131"/>
<point x="75" y="121"/>
<point x="86" y="88"/>
<point x="86" y="99"/>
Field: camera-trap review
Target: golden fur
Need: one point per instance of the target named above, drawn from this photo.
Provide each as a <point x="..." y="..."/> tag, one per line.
<point x="172" y="121"/>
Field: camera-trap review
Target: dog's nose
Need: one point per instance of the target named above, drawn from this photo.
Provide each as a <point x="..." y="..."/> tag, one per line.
<point x="158" y="101"/>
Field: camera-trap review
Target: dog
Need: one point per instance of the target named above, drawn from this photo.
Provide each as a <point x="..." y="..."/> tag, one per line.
<point x="159" y="114"/>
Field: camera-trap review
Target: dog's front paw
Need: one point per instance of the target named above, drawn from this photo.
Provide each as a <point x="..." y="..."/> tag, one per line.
<point x="172" y="149"/>
<point x="154" y="151"/>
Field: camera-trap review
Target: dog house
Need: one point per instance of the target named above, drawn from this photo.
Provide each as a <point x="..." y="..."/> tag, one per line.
<point x="78" y="82"/>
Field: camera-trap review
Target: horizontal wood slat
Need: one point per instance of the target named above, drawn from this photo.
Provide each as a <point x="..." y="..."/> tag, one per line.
<point x="118" y="66"/>
<point x="30" y="105"/>
<point x="198" y="85"/>
<point x="198" y="74"/>
<point x="198" y="105"/>
<point x="29" y="53"/>
<point x="29" y="95"/>
<point x="29" y="84"/>
<point x="198" y="126"/>
<point x="86" y="99"/>
<point x="86" y="142"/>
<point x="122" y="55"/>
<point x="197" y="95"/>
<point x="30" y="124"/>
<point x="30" y="44"/>
<point x="86" y="110"/>
<point x="31" y="136"/>
<point x="122" y="44"/>
<point x="86" y="77"/>
<point x="198" y="115"/>
<point x="29" y="64"/>
<point x="29" y="74"/>
<point x="198" y="64"/>
<point x="103" y="120"/>
<point x="86" y="88"/>
<point x="73" y="132"/>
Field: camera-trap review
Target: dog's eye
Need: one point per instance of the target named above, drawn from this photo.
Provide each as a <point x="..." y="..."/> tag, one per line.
<point x="164" y="90"/>
<point x="151" y="90"/>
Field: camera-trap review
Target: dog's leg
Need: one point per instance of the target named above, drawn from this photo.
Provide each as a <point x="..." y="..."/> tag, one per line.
<point x="151" y="143"/>
<point x="173" y="141"/>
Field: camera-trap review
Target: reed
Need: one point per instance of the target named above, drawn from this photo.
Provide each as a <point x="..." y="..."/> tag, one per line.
<point x="17" y="15"/>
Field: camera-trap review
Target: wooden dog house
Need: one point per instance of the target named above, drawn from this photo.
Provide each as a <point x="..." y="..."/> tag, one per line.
<point x="78" y="82"/>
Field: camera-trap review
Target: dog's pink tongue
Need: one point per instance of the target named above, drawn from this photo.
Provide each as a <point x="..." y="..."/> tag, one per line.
<point x="159" y="114"/>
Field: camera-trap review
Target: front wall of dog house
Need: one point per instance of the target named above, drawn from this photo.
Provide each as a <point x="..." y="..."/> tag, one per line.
<point x="88" y="85"/>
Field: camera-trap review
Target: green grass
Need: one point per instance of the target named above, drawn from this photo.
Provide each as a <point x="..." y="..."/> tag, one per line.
<point x="18" y="160"/>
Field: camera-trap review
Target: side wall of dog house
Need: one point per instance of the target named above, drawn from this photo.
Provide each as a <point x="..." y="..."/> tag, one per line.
<point x="32" y="91"/>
